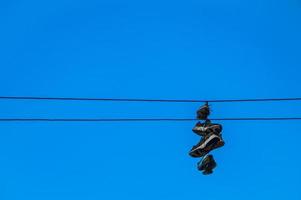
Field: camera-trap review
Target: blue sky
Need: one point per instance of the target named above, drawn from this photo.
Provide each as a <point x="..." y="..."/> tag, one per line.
<point x="158" y="50"/>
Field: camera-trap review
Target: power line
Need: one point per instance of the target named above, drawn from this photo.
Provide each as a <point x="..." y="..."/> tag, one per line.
<point x="143" y="100"/>
<point x="258" y="119"/>
<point x="90" y="120"/>
<point x="142" y="119"/>
<point x="254" y="100"/>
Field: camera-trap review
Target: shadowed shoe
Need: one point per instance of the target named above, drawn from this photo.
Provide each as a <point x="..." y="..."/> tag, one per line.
<point x="203" y="112"/>
<point x="207" y="164"/>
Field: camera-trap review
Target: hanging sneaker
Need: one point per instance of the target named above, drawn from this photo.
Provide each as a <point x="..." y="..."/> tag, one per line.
<point x="206" y="144"/>
<point x="203" y="112"/>
<point x="207" y="164"/>
<point x="203" y="129"/>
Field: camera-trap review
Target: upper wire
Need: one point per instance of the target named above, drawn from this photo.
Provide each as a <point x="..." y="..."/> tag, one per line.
<point x="145" y="100"/>
<point x="142" y="119"/>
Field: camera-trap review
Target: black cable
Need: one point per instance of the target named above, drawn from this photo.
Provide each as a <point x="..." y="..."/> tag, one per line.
<point x="88" y="120"/>
<point x="143" y="100"/>
<point x="258" y="119"/>
<point x="141" y="119"/>
<point x="254" y="100"/>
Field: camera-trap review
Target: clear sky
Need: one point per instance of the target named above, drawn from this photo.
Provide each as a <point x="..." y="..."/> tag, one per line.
<point x="148" y="49"/>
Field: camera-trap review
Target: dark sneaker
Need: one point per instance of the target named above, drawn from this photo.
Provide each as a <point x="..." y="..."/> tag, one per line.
<point x="207" y="144"/>
<point x="203" y="129"/>
<point x="203" y="112"/>
<point x="207" y="164"/>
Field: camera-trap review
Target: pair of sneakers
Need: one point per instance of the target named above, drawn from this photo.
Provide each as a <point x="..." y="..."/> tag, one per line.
<point x="211" y="139"/>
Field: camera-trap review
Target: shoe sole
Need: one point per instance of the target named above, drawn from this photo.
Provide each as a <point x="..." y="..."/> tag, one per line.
<point x="200" y="153"/>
